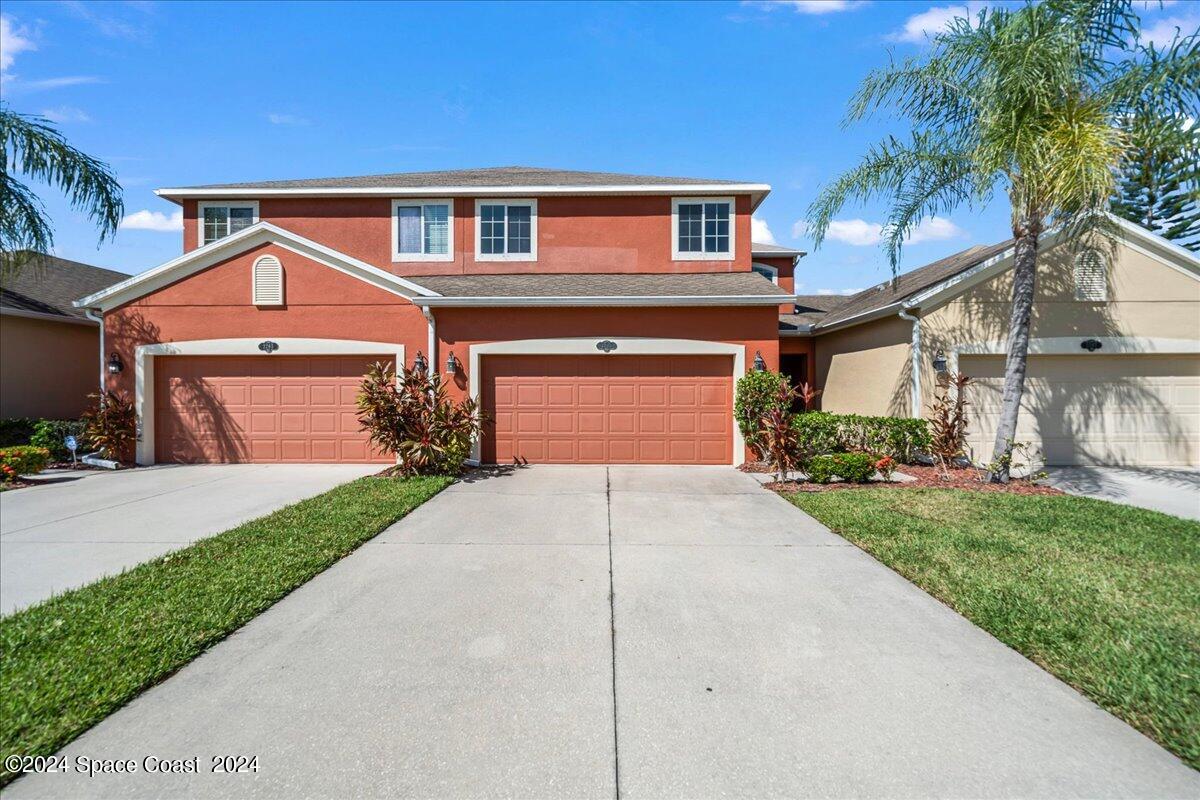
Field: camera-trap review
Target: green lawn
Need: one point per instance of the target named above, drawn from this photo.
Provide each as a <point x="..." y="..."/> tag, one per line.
<point x="1106" y="597"/>
<point x="67" y="663"/>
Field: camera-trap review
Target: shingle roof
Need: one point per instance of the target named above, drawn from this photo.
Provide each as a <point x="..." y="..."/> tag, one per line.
<point x="893" y="291"/>
<point x="48" y="285"/>
<point x="761" y="248"/>
<point x="809" y="310"/>
<point x="719" y="284"/>
<point x="492" y="176"/>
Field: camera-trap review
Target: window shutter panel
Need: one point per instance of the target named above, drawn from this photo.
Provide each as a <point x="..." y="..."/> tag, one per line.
<point x="1091" y="276"/>
<point x="268" y="282"/>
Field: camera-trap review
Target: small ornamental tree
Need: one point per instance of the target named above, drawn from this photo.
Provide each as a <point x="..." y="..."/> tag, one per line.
<point x="111" y="425"/>
<point x="948" y="422"/>
<point x="414" y="418"/>
<point x="780" y="439"/>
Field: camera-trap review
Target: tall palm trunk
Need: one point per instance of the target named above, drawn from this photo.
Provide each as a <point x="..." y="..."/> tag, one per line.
<point x="1024" y="283"/>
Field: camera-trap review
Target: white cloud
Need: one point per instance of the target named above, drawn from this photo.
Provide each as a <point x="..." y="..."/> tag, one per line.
<point x="935" y="229"/>
<point x="856" y="232"/>
<point x="807" y="6"/>
<point x="153" y="221"/>
<point x="51" y="83"/>
<point x="919" y="28"/>
<point x="286" y="119"/>
<point x="66" y="114"/>
<point x="1163" y="31"/>
<point x="761" y="232"/>
<point x="799" y="228"/>
<point x="13" y="40"/>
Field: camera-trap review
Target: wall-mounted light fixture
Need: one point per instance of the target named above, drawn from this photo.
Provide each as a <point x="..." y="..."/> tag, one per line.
<point x="939" y="361"/>
<point x="115" y="365"/>
<point x="419" y="363"/>
<point x="759" y="364"/>
<point x="452" y="364"/>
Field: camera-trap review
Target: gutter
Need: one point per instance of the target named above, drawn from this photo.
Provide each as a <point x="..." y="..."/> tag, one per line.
<point x="432" y="344"/>
<point x="644" y="300"/>
<point x="65" y="318"/>
<point x="915" y="411"/>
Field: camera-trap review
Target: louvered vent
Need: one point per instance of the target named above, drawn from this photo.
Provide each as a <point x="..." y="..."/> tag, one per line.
<point x="268" y="282"/>
<point x="1091" y="278"/>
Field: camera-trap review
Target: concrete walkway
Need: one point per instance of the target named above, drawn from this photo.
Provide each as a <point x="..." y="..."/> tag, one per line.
<point x="81" y="526"/>
<point x="1169" y="490"/>
<point x="474" y="650"/>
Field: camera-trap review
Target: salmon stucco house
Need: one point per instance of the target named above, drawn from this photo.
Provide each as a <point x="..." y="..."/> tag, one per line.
<point x="604" y="318"/>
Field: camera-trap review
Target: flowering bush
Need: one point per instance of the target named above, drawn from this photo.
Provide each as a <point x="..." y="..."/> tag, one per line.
<point x="21" y="460"/>
<point x="111" y="425"/>
<point x="886" y="467"/>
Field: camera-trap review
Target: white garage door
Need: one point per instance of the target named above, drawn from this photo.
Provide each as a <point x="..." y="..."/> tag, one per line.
<point x="1127" y="410"/>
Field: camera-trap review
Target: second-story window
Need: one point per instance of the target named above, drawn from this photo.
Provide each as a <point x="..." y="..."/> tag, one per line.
<point x="218" y="220"/>
<point x="422" y="230"/>
<point x="506" y="230"/>
<point x="702" y="228"/>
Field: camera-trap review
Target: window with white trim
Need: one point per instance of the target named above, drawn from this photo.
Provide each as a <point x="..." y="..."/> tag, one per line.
<point x="506" y="230"/>
<point x="218" y="220"/>
<point x="702" y="228"/>
<point x="767" y="271"/>
<point x="267" y="282"/>
<point x="422" y="230"/>
<point x="1091" y="276"/>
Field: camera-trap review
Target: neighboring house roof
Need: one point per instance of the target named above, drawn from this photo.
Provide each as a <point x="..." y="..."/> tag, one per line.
<point x="763" y="250"/>
<point x="721" y="288"/>
<point x="809" y="310"/>
<point x="493" y="181"/>
<point x="46" y="286"/>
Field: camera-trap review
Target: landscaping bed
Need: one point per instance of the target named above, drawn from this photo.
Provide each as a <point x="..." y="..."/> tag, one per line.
<point x="923" y="477"/>
<point x="71" y="661"/>
<point x="1104" y="596"/>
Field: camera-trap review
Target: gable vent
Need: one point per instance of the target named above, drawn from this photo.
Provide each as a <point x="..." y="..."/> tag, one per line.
<point x="1091" y="277"/>
<point x="268" y="282"/>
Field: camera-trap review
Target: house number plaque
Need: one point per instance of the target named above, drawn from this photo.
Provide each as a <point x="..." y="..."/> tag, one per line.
<point x="268" y="346"/>
<point x="606" y="346"/>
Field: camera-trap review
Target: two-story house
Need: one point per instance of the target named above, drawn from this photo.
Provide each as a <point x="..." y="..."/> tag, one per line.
<point x="604" y="318"/>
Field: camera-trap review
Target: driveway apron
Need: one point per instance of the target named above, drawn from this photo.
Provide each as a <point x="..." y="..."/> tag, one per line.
<point x="474" y="650"/>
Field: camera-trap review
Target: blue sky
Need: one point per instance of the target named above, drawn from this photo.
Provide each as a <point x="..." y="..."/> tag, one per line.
<point x="174" y="94"/>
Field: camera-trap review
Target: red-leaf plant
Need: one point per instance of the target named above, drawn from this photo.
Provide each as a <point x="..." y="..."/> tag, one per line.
<point x="781" y="442"/>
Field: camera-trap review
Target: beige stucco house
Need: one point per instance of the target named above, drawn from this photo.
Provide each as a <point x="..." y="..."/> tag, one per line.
<point x="1114" y="372"/>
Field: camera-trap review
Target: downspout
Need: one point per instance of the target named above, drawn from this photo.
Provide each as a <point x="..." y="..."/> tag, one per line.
<point x="90" y="314"/>
<point x="432" y="345"/>
<point x="915" y="411"/>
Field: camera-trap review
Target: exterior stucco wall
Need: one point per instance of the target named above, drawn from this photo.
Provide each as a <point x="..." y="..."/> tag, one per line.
<point x="47" y="369"/>
<point x="864" y="369"/>
<point x="575" y="234"/>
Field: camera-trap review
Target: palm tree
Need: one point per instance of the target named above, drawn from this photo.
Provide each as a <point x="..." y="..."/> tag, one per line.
<point x="1023" y="100"/>
<point x="36" y="149"/>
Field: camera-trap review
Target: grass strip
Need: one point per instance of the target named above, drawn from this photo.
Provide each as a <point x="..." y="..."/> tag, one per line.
<point x="69" y="662"/>
<point x="1104" y="596"/>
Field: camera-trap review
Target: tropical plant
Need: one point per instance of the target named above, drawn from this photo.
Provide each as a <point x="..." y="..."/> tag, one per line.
<point x="948" y="422"/>
<point x="780" y="440"/>
<point x="22" y="459"/>
<point x="755" y="395"/>
<point x="111" y="425"/>
<point x="414" y="418"/>
<point x="36" y="149"/>
<point x="1023" y="100"/>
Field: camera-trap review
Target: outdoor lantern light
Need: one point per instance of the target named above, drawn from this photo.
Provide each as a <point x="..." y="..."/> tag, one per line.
<point x="114" y="364"/>
<point x="452" y="364"/>
<point x="759" y="364"/>
<point x="419" y="363"/>
<point x="939" y="361"/>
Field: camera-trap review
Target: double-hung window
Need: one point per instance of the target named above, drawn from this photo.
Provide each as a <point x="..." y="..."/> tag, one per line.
<point x="506" y="230"/>
<point x="218" y="220"/>
<point x="422" y="230"/>
<point x="702" y="228"/>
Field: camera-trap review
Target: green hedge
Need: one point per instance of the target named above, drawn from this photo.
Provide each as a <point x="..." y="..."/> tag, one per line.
<point x="850" y="467"/>
<point x="822" y="432"/>
<point x="22" y="459"/>
<point x="50" y="433"/>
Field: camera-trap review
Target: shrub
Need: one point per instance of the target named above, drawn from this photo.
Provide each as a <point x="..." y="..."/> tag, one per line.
<point x="429" y="433"/>
<point x="779" y="438"/>
<point x="111" y="425"/>
<point x="886" y="467"/>
<point x="50" y="433"/>
<point x="822" y="432"/>
<point x="15" y="430"/>
<point x="22" y="459"/>
<point x="850" y="467"/>
<point x="949" y="422"/>
<point x="757" y="393"/>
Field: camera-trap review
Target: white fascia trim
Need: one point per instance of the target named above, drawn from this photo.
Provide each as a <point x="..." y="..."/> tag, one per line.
<point x="533" y="229"/>
<point x="1166" y="252"/>
<point x="401" y="258"/>
<point x="1071" y="345"/>
<point x="20" y="312"/>
<point x="465" y="191"/>
<point x="657" y="300"/>
<point x="251" y="204"/>
<point x="801" y="330"/>
<point x="586" y="345"/>
<point x="676" y="255"/>
<point x="259" y="233"/>
<point x="144" y="355"/>
<point x="792" y="254"/>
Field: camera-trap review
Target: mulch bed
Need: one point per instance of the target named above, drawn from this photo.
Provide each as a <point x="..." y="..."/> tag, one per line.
<point x="926" y="478"/>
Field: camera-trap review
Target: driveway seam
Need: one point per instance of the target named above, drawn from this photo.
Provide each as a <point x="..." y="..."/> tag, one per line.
<point x="612" y="626"/>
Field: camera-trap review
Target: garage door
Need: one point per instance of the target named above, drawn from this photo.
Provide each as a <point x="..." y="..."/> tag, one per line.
<point x="260" y="409"/>
<point x="1096" y="410"/>
<point x="608" y="409"/>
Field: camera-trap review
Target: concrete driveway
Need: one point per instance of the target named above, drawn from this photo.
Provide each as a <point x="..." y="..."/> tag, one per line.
<point x="1172" y="491"/>
<point x="84" y="525"/>
<point x="474" y="650"/>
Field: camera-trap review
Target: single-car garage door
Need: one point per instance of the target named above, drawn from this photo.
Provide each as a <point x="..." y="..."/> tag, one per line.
<point x="608" y="409"/>
<point x="260" y="409"/>
<point x="1128" y="410"/>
